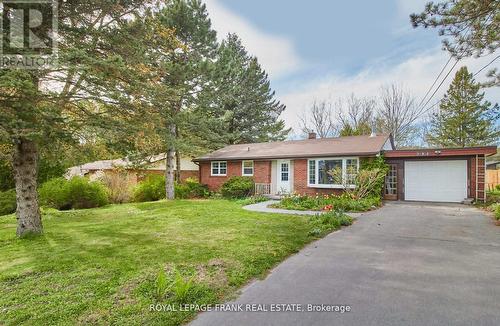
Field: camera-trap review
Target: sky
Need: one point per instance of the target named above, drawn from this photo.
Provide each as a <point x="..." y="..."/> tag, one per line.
<point x="330" y="49"/>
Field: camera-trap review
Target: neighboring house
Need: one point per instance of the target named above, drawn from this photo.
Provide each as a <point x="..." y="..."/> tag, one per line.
<point x="301" y="166"/>
<point x="493" y="165"/>
<point x="134" y="172"/>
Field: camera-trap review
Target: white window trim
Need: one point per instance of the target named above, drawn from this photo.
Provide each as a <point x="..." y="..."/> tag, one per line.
<point x="316" y="171"/>
<point x="218" y="169"/>
<point x="243" y="168"/>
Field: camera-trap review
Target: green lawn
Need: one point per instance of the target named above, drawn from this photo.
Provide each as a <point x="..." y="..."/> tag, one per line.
<point x="100" y="265"/>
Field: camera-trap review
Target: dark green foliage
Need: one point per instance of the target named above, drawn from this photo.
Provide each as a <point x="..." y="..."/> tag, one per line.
<point x="76" y="193"/>
<point x="7" y="202"/>
<point x="471" y="24"/>
<point x="464" y="119"/>
<point x="237" y="187"/>
<point x="243" y="101"/>
<point x="151" y="189"/>
<point x="328" y="222"/>
<point x="6" y="176"/>
<point x="341" y="202"/>
<point x="191" y="189"/>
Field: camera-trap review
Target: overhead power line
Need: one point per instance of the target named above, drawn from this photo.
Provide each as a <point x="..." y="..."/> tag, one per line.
<point x="498" y="56"/>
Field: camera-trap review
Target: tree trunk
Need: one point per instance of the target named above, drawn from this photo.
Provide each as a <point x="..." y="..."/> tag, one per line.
<point x="25" y="160"/>
<point x="170" y="168"/>
<point x="178" y="165"/>
<point x="177" y="159"/>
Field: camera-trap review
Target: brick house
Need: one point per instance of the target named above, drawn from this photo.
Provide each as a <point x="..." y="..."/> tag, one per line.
<point x="300" y="166"/>
<point x="134" y="172"/>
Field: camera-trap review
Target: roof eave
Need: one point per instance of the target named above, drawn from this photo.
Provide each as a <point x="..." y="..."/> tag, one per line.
<point x="274" y="157"/>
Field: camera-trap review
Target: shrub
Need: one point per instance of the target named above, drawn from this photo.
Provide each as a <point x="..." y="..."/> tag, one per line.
<point x="495" y="208"/>
<point x="191" y="188"/>
<point x="76" y="193"/>
<point x="237" y="187"/>
<point x="7" y="202"/>
<point x="151" y="189"/>
<point x="118" y="187"/>
<point x="53" y="193"/>
<point x="493" y="196"/>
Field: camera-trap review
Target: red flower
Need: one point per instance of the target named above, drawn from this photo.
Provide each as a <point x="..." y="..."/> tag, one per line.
<point x="328" y="207"/>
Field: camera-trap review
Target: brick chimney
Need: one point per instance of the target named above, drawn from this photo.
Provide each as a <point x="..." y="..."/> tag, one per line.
<point x="312" y="135"/>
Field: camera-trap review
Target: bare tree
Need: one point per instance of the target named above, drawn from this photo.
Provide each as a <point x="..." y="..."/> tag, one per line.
<point x="357" y="117"/>
<point x="397" y="115"/>
<point x="318" y="119"/>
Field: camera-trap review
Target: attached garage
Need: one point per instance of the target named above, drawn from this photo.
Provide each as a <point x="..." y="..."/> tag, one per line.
<point x="437" y="175"/>
<point x="439" y="181"/>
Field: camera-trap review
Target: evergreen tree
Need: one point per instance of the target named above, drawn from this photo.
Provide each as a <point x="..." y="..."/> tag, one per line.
<point x="39" y="107"/>
<point x="243" y="100"/>
<point x="464" y="119"/>
<point x="186" y="74"/>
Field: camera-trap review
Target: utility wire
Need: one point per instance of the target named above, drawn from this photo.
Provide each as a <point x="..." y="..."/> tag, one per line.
<point x="434" y="83"/>
<point x="498" y="56"/>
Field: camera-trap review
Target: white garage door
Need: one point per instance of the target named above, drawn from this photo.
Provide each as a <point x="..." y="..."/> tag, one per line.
<point x="442" y="181"/>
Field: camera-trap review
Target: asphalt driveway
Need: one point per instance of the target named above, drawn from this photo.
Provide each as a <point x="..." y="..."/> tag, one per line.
<point x="404" y="264"/>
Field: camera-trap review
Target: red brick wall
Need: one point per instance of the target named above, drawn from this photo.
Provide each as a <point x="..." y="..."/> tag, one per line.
<point x="481" y="178"/>
<point x="300" y="181"/>
<point x="261" y="172"/>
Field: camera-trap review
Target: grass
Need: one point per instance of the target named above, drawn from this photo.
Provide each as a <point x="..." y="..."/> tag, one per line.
<point x="102" y="266"/>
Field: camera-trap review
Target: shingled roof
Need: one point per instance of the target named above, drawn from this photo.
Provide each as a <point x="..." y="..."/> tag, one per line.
<point x="323" y="147"/>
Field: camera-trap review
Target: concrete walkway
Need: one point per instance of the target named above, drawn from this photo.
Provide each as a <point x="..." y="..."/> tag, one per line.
<point x="263" y="207"/>
<point x="403" y="264"/>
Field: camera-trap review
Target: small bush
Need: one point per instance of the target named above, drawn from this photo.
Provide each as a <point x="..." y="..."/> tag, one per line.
<point x="191" y="188"/>
<point x="151" y="189"/>
<point x="7" y="202"/>
<point x="76" y="193"/>
<point x="53" y="193"/>
<point x="238" y="187"/>
<point x="495" y="208"/>
<point x="493" y="196"/>
<point x="118" y="187"/>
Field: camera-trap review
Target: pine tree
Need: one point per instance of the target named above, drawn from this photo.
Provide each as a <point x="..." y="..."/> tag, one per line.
<point x="243" y="98"/>
<point x="464" y="118"/>
<point x="187" y="74"/>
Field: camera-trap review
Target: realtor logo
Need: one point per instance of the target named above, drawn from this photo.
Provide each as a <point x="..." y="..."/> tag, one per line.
<point x="28" y="29"/>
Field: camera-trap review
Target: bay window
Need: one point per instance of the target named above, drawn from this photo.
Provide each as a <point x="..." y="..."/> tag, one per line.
<point x="332" y="172"/>
<point x="219" y="168"/>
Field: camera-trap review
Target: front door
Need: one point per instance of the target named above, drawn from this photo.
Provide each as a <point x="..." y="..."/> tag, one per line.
<point x="284" y="177"/>
<point x="391" y="183"/>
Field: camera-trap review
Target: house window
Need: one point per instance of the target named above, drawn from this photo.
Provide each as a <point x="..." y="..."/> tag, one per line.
<point x="312" y="172"/>
<point x="332" y="172"/>
<point x="247" y="167"/>
<point x="219" y="168"/>
<point x="284" y="171"/>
